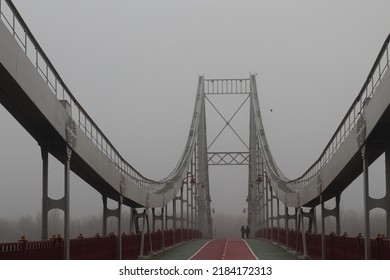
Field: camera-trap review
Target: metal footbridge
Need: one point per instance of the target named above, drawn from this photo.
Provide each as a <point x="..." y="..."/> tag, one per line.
<point x="34" y="93"/>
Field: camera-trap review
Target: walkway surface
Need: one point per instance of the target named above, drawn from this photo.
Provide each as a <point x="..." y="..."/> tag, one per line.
<point x="225" y="249"/>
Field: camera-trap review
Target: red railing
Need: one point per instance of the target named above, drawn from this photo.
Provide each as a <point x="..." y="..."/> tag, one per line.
<point x="337" y="247"/>
<point x="93" y="248"/>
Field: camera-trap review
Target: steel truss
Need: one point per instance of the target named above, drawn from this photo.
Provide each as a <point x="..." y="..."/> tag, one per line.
<point x="228" y="158"/>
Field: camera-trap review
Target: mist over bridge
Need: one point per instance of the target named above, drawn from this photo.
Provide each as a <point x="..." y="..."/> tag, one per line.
<point x="34" y="93"/>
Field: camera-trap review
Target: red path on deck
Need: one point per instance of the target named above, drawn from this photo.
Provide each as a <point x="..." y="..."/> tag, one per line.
<point x="225" y="249"/>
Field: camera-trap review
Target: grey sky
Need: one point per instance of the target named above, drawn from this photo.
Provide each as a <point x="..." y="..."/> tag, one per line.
<point x="133" y="65"/>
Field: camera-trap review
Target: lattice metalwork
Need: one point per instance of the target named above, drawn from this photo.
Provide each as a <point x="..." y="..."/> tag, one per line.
<point x="228" y="158"/>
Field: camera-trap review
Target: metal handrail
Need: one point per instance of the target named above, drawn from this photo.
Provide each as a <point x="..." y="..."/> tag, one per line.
<point x="346" y="124"/>
<point x="83" y="120"/>
<point x="88" y="126"/>
<point x="380" y="66"/>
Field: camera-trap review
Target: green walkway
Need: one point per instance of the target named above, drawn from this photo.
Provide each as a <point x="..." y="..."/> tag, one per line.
<point x="180" y="252"/>
<point x="264" y="250"/>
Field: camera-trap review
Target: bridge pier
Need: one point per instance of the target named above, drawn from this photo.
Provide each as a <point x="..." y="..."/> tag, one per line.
<point x="163" y="227"/>
<point x="272" y="211"/>
<point x="366" y="201"/>
<point x="312" y="219"/>
<point x="166" y="216"/>
<point x="286" y="218"/>
<point x="171" y="217"/>
<point x="49" y="203"/>
<point x="323" y="240"/>
<point x="155" y="218"/>
<point x="67" y="204"/>
<point x="120" y="202"/>
<point x="188" y="209"/>
<point x="266" y="208"/>
<point x="335" y="212"/>
<point x="301" y="216"/>
<point x="174" y="219"/>
<point x="45" y="196"/>
<point x="113" y="213"/>
<point x="107" y="213"/>
<point x="182" y="219"/>
<point x="278" y="220"/>
<point x="134" y="215"/>
<point x="387" y="195"/>
<point x="297" y="227"/>
<point x="315" y="228"/>
<point x="371" y="203"/>
<point x="145" y="223"/>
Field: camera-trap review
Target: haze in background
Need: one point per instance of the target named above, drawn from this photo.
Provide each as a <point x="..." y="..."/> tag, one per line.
<point x="134" y="67"/>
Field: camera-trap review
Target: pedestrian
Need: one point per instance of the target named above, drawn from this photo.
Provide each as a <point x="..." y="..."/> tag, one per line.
<point x="242" y="231"/>
<point x="247" y="231"/>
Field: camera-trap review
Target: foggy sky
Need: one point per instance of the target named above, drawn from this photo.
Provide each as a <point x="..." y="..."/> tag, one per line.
<point x="134" y="66"/>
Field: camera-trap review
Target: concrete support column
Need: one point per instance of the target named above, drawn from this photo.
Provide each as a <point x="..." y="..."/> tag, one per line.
<point x="163" y="226"/>
<point x="105" y="215"/>
<point x="131" y="226"/>
<point x="338" y="226"/>
<point x="367" y="244"/>
<point x="67" y="203"/>
<point x="154" y="219"/>
<point x="149" y="233"/>
<point x="278" y="220"/>
<point x="263" y="195"/>
<point x="315" y="229"/>
<point x="145" y="227"/>
<point x="182" y="213"/>
<point x="303" y="233"/>
<point x="120" y="227"/>
<point x="387" y="195"/>
<point x="193" y="218"/>
<point x="272" y="213"/>
<point x="297" y="228"/>
<point x="266" y="209"/>
<point x="118" y="214"/>
<point x="196" y="212"/>
<point x="174" y="216"/>
<point x="188" y="209"/>
<point x="323" y="240"/>
<point x="286" y="223"/>
<point x="141" y="251"/>
<point x="45" y="191"/>
<point x="134" y="221"/>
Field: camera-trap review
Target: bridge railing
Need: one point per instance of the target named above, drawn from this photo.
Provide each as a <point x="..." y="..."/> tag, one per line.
<point x="227" y="86"/>
<point x="11" y="18"/>
<point x="348" y="123"/>
<point x="337" y="247"/>
<point x="354" y="113"/>
<point x="93" y="248"/>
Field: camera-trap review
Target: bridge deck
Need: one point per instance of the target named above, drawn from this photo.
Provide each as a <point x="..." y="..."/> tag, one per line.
<point x="225" y="249"/>
<point x="236" y="249"/>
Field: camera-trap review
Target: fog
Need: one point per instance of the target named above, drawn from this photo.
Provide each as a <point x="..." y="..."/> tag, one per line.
<point x="134" y="67"/>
